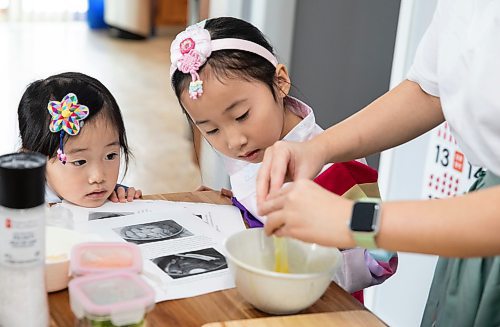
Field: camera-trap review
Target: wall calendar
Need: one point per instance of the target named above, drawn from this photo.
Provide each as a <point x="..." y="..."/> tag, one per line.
<point x="447" y="171"/>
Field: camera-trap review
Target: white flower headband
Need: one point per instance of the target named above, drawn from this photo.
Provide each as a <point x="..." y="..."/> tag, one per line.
<point x="192" y="47"/>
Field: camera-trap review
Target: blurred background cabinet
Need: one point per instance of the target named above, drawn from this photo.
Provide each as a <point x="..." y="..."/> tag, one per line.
<point x="171" y="12"/>
<point x="141" y="18"/>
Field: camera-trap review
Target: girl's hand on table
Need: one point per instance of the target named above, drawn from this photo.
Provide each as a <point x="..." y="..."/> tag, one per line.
<point x="305" y="211"/>
<point x="223" y="191"/>
<point x="202" y="188"/>
<point x="124" y="194"/>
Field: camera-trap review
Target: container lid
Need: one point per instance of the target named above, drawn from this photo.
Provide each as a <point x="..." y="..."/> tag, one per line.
<point x="22" y="180"/>
<point x="100" y="257"/>
<point x="122" y="297"/>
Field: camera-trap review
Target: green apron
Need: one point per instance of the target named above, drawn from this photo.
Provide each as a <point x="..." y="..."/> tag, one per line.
<point x="466" y="292"/>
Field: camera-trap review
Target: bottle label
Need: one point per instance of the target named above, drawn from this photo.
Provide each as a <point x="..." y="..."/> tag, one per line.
<point x="21" y="238"/>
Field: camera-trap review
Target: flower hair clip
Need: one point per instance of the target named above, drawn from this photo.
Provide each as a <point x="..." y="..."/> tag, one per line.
<point x="189" y="51"/>
<point x="67" y="117"/>
<point x="192" y="47"/>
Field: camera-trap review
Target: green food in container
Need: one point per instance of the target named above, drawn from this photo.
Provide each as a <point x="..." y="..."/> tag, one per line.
<point x="116" y="299"/>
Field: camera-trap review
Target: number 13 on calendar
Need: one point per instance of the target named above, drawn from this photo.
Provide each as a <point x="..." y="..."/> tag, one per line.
<point x="447" y="170"/>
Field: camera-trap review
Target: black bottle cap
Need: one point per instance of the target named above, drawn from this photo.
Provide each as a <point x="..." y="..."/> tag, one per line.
<point x="22" y="180"/>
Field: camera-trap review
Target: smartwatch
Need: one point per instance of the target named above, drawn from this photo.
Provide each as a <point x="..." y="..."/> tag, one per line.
<point x="365" y="222"/>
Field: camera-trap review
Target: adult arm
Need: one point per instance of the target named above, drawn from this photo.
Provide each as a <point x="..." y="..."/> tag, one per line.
<point x="463" y="226"/>
<point x="398" y="116"/>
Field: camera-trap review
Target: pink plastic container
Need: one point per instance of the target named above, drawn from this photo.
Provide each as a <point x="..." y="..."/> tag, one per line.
<point x="101" y="257"/>
<point x="111" y="299"/>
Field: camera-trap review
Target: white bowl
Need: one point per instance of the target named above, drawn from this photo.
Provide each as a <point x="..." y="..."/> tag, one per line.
<point x="250" y="257"/>
<point x="58" y="244"/>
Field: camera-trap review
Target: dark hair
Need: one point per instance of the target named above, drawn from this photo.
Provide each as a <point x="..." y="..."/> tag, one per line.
<point x="233" y="63"/>
<point x="34" y="118"/>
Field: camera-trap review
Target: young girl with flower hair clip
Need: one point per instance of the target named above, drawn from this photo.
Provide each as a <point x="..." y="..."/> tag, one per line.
<point x="74" y="120"/>
<point x="231" y="86"/>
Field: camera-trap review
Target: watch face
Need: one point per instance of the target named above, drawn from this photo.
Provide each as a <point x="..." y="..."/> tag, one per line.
<point x="362" y="217"/>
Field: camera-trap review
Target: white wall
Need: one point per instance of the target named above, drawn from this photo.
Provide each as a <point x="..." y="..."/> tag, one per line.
<point x="400" y="300"/>
<point x="13" y="83"/>
<point x="233" y="8"/>
<point x="276" y="19"/>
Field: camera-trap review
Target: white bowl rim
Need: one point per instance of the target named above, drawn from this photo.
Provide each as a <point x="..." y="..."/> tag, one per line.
<point x="58" y="261"/>
<point x="270" y="273"/>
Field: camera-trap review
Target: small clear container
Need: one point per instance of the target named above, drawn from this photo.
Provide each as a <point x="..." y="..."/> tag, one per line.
<point x="100" y="257"/>
<point x="111" y="299"/>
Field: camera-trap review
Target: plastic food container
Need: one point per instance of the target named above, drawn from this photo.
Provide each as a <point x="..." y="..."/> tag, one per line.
<point x="100" y="257"/>
<point x="111" y="299"/>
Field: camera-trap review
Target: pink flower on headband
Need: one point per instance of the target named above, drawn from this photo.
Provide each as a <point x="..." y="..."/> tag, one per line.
<point x="66" y="115"/>
<point x="188" y="52"/>
<point x="187" y="45"/>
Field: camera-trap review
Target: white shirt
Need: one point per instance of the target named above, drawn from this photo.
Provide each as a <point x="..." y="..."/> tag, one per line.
<point x="458" y="60"/>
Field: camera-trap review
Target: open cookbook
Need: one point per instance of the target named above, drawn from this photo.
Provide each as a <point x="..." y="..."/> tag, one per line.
<point x="181" y="243"/>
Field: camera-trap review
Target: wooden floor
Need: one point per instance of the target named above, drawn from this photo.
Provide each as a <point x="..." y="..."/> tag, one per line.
<point x="136" y="72"/>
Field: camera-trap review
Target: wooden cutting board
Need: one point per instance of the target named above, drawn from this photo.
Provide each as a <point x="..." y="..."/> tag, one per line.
<point x="356" y="318"/>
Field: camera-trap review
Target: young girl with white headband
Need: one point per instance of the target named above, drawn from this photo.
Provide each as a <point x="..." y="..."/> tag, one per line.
<point x="231" y="86"/>
<point x="74" y="120"/>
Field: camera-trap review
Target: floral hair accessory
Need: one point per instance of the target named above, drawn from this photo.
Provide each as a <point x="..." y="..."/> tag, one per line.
<point x="190" y="51"/>
<point x="192" y="47"/>
<point x="67" y="117"/>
